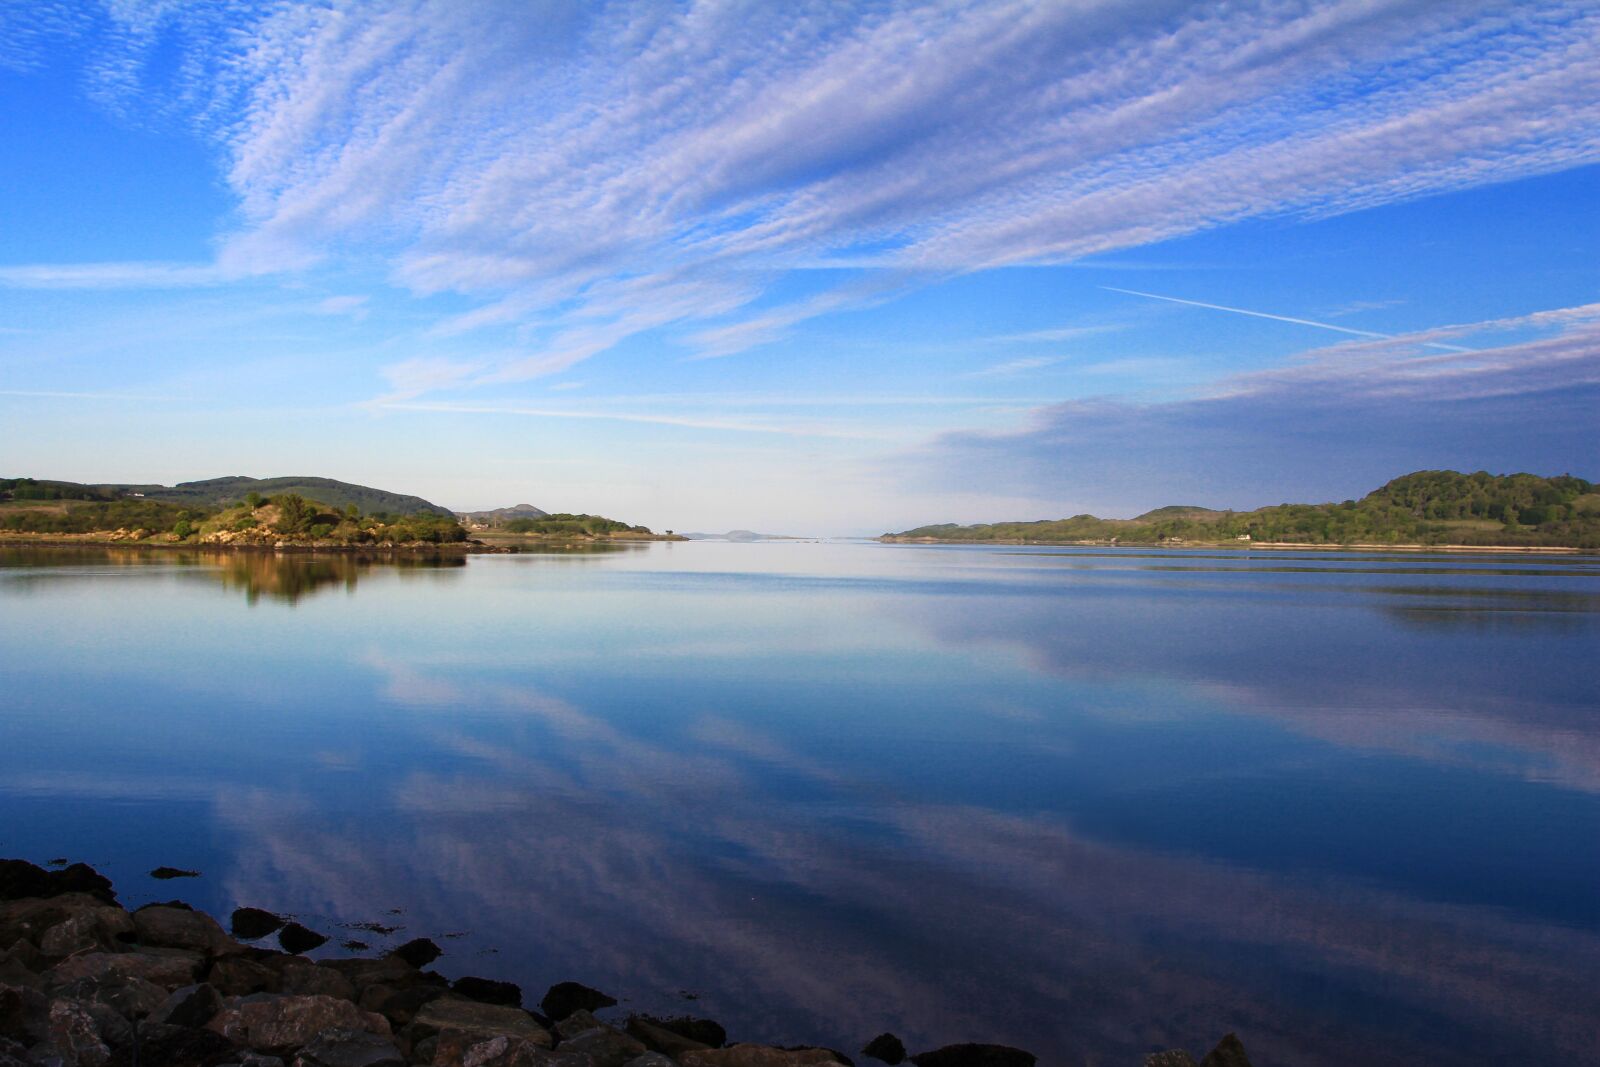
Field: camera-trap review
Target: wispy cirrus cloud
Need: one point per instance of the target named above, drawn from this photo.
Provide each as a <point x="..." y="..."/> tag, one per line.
<point x="593" y="173"/>
<point x="1336" y="423"/>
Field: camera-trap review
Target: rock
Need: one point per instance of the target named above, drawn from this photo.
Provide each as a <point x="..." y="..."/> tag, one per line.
<point x="281" y="1023"/>
<point x="74" y="1035"/>
<point x="176" y="1046"/>
<point x="20" y="879"/>
<point x="259" y="1059"/>
<point x="462" y="1048"/>
<point x="705" y="1032"/>
<point x="605" y="1045"/>
<point x="564" y="998"/>
<point x="14" y="1055"/>
<point x="758" y="1056"/>
<point x="192" y="1005"/>
<point x="971" y="1055"/>
<point x="26" y="921"/>
<point x="488" y="1020"/>
<point x="248" y="924"/>
<point x="129" y="996"/>
<point x="389" y="971"/>
<point x="98" y="927"/>
<point x="349" y="1048"/>
<point x="488" y="991"/>
<point x="1228" y="1053"/>
<point x="297" y="939"/>
<point x="577" y="1023"/>
<point x="169" y="970"/>
<point x="418" y="952"/>
<point x="166" y="926"/>
<point x="173" y="872"/>
<point x="651" y="1059"/>
<point x="1174" y="1057"/>
<point x="234" y="976"/>
<point x="659" y="1039"/>
<point x="24" y="1014"/>
<point x="885" y="1047"/>
<point x="399" y="1006"/>
<point x="301" y="976"/>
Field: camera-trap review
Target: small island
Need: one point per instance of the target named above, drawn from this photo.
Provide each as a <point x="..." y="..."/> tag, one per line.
<point x="1425" y="509"/>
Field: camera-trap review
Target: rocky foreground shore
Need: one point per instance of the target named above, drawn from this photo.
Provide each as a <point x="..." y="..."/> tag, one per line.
<point x="86" y="983"/>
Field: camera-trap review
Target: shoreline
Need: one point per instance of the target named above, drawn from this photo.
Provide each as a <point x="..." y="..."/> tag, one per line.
<point x="87" y="983"/>
<point x="1243" y="546"/>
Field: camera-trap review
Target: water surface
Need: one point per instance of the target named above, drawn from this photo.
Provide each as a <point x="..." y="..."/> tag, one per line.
<point x="1090" y="802"/>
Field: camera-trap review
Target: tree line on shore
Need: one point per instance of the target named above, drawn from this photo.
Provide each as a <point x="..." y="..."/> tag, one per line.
<point x="1426" y="507"/>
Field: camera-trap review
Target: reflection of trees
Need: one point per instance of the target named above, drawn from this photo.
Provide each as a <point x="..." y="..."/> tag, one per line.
<point x="291" y="576"/>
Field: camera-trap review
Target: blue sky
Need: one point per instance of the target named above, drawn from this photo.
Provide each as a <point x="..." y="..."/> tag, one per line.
<point x="805" y="268"/>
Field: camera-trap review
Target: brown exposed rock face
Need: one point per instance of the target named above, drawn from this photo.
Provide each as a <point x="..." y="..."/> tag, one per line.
<point x="482" y="1020"/>
<point x="284" y="1023"/>
<point x="758" y="1056"/>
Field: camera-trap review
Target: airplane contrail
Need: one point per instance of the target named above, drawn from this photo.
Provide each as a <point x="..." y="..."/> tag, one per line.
<point x="1278" y="318"/>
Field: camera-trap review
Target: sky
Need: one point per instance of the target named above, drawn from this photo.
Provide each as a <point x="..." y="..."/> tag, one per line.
<point x="810" y="268"/>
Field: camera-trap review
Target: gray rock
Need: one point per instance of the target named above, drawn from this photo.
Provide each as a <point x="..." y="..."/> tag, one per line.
<point x="349" y="1048"/>
<point x="1228" y="1053"/>
<point x="128" y="996"/>
<point x="177" y="1046"/>
<point x="24" y="1014"/>
<point x="577" y="1023"/>
<point x="275" y="1023"/>
<point x="651" y="1059"/>
<point x="13" y="1055"/>
<point x="234" y="976"/>
<point x="699" y="1033"/>
<point x="74" y="1035"/>
<point x="168" y="969"/>
<point x="975" y="1055"/>
<point x="399" y="1006"/>
<point x="296" y="975"/>
<point x="457" y="1048"/>
<point x="1173" y="1057"/>
<point x="92" y="928"/>
<point x="29" y="918"/>
<point x="472" y="1018"/>
<point x="659" y="1039"/>
<point x="759" y="1056"/>
<point x="191" y="1005"/>
<point x="605" y="1045"/>
<point x="169" y="927"/>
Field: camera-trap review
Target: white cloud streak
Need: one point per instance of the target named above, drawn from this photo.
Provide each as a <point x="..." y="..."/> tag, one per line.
<point x="593" y="173"/>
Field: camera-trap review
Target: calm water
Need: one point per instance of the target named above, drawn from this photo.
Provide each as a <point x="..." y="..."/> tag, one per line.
<point x="1088" y="802"/>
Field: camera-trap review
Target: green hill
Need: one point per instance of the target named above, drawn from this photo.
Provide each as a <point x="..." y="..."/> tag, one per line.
<point x="1427" y="507"/>
<point x="215" y="492"/>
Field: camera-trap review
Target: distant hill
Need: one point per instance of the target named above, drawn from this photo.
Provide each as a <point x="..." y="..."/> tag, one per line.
<point x="214" y="492"/>
<point x="1426" y="507"/>
<point x="501" y="516"/>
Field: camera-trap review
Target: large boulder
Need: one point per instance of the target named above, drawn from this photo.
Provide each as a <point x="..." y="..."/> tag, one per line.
<point x="702" y="1032"/>
<point x="128" y="995"/>
<point x="235" y="976"/>
<point x="24" y="1014"/>
<point x="166" y="926"/>
<point x="488" y="991"/>
<point x="419" y="952"/>
<point x="74" y="1037"/>
<point x="29" y="919"/>
<point x="281" y="1023"/>
<point x="1173" y="1057"/>
<point x="177" y="1046"/>
<point x="606" y="1046"/>
<point x="167" y="969"/>
<point x="399" y="1006"/>
<point x="975" y="1055"/>
<point x="759" y="1056"/>
<point x="297" y="939"/>
<point x="470" y="1017"/>
<point x="349" y="1048"/>
<point x="457" y="1048"/>
<point x="191" y="1005"/>
<point x="95" y="927"/>
<point x="301" y="976"/>
<point x="658" y="1038"/>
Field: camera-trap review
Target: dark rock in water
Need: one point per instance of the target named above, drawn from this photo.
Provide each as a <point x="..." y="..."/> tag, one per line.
<point x="885" y="1047"/>
<point x="352" y="945"/>
<point x="488" y="991"/>
<point x="971" y="1055"/>
<point x="1228" y="1053"/>
<point x="175" y="1046"/>
<point x="349" y="1048"/>
<point x="251" y="923"/>
<point x="173" y="872"/>
<point x="399" y="1006"/>
<point x="180" y="905"/>
<point x="419" y="952"/>
<point x="297" y="939"/>
<point x="192" y="1005"/>
<point x="20" y="879"/>
<point x="1175" y="1057"/>
<point x="564" y="998"/>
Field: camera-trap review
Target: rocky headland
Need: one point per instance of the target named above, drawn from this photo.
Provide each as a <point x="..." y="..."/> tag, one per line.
<point x="86" y="983"/>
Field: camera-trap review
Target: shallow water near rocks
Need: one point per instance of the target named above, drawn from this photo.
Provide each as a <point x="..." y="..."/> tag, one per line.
<point x="1088" y="802"/>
